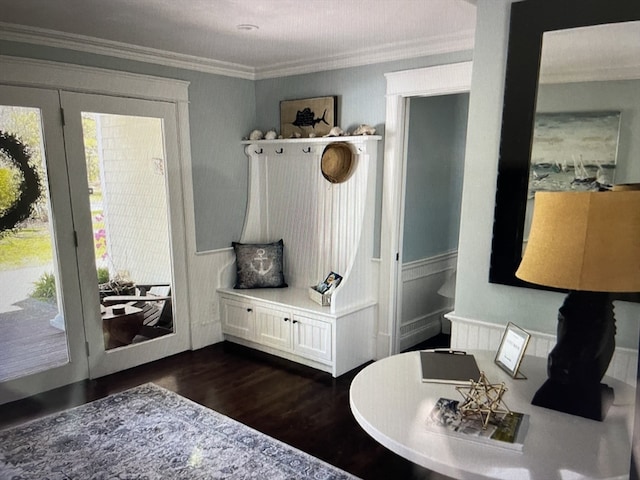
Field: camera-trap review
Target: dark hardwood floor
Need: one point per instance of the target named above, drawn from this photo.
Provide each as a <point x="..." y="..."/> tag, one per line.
<point x="298" y="405"/>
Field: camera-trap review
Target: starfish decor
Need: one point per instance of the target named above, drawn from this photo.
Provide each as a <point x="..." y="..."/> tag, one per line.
<point x="483" y="398"/>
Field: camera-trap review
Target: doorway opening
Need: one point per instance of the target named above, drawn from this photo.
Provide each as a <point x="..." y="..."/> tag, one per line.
<point x="401" y="86"/>
<point x="436" y="129"/>
<point x="125" y="164"/>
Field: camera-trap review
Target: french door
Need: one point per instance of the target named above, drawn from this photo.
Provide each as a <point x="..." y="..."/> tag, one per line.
<point x="133" y="230"/>
<point x="37" y="355"/>
<point x="111" y="213"/>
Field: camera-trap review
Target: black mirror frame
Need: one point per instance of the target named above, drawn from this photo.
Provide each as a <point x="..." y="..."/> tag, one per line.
<point x="529" y="20"/>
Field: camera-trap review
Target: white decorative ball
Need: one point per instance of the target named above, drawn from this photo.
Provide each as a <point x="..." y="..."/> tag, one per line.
<point x="255" y="135"/>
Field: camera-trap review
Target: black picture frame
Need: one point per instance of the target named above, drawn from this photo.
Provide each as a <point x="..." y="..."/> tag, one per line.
<point x="529" y="21"/>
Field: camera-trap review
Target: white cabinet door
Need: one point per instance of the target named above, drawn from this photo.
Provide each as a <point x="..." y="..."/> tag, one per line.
<point x="237" y="319"/>
<point x="312" y="338"/>
<point x="273" y="328"/>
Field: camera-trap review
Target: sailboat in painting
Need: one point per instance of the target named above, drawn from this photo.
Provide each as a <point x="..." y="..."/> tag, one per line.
<point x="574" y="151"/>
<point x="580" y="173"/>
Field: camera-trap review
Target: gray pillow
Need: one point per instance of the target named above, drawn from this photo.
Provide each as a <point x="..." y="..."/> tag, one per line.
<point x="259" y="265"/>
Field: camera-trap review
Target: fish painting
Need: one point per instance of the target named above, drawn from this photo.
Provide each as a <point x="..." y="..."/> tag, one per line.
<point x="305" y="118"/>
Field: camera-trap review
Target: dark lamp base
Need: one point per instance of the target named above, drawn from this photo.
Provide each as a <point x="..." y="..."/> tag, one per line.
<point x="589" y="402"/>
<point x="576" y="365"/>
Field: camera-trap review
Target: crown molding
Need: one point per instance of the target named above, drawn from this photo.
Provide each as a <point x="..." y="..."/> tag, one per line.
<point x="591" y="74"/>
<point x="82" y="43"/>
<point x="423" y="47"/>
<point x="391" y="52"/>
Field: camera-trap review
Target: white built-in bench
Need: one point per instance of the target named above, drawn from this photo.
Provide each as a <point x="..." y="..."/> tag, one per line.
<point x="325" y="227"/>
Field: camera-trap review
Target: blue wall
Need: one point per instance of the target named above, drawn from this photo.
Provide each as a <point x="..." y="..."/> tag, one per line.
<point x="476" y="298"/>
<point x="221" y="111"/>
<point x="360" y="91"/>
<point x="361" y="99"/>
<point x="434" y="171"/>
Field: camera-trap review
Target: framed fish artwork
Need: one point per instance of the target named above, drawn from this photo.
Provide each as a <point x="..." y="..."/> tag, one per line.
<point x="300" y="118"/>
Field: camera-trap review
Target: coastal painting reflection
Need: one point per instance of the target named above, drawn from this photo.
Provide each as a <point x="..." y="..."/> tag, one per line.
<point x="574" y="151"/>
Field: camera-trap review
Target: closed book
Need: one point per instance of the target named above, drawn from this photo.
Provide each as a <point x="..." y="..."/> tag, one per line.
<point x="444" y="366"/>
<point x="504" y="429"/>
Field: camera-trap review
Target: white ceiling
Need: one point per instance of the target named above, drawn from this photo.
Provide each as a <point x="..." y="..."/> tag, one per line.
<point x="599" y="52"/>
<point x="294" y="36"/>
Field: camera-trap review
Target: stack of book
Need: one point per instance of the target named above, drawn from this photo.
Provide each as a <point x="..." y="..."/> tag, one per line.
<point x="504" y="430"/>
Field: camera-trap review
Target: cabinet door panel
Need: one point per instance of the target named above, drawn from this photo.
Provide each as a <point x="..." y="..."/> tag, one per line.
<point x="237" y="319"/>
<point x="273" y="328"/>
<point x="312" y="338"/>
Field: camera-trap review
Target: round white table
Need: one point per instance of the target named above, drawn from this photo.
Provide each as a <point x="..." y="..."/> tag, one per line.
<point x="390" y="402"/>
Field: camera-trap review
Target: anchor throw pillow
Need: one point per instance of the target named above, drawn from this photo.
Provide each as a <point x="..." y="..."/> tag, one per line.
<point x="259" y="265"/>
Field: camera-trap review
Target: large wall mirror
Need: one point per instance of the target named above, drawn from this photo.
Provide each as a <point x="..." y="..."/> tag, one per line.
<point x="571" y="114"/>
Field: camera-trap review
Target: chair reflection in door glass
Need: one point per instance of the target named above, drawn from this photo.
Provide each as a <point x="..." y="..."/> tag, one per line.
<point x="145" y="315"/>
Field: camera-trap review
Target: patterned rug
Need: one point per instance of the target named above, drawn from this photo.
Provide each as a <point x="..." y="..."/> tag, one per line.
<point x="150" y="433"/>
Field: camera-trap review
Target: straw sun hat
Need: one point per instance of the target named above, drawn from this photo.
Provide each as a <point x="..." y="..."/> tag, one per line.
<point x="338" y="162"/>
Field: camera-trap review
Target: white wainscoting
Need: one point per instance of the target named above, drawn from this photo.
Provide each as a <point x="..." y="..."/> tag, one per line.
<point x="208" y="271"/>
<point x="469" y="334"/>
<point x="422" y="307"/>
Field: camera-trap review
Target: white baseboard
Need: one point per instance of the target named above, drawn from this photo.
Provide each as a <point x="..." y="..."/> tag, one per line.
<point x="420" y="329"/>
<point x="204" y="334"/>
<point x="469" y="334"/>
<point x="383" y="346"/>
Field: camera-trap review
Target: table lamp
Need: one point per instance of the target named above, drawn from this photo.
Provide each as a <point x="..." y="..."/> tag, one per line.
<point x="589" y="244"/>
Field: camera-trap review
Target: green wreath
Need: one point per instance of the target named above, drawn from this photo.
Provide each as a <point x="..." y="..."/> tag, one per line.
<point x="29" y="188"/>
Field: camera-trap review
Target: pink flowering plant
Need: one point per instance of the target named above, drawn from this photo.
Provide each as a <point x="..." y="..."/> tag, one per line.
<point x="99" y="237"/>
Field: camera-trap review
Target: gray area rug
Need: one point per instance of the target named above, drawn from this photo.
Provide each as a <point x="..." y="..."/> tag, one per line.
<point x="148" y="433"/>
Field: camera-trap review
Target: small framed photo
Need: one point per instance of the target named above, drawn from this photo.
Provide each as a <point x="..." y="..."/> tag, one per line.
<point x="329" y="283"/>
<point x="307" y="116"/>
<point x="511" y="351"/>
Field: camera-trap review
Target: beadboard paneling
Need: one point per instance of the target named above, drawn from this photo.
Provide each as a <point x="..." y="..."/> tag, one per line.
<point x="469" y="334"/>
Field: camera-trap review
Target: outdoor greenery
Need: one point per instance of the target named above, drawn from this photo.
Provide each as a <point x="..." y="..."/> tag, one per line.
<point x="103" y="275"/>
<point x="30" y="243"/>
<point x="25" y="124"/>
<point x="45" y="288"/>
<point x="28" y="247"/>
<point x="9" y="182"/>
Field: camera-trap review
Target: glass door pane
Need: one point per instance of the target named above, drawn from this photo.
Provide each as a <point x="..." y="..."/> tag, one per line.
<point x="32" y="327"/>
<point x="124" y="175"/>
<point x="125" y="167"/>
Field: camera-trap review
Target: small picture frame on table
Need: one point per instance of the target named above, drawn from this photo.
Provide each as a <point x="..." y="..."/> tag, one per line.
<point x="511" y="351"/>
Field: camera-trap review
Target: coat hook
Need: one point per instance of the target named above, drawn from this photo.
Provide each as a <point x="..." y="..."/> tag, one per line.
<point x="258" y="152"/>
<point x="280" y="151"/>
<point x="308" y="150"/>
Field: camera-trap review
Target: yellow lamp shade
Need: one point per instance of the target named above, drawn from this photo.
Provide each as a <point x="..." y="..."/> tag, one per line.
<point x="586" y="241"/>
